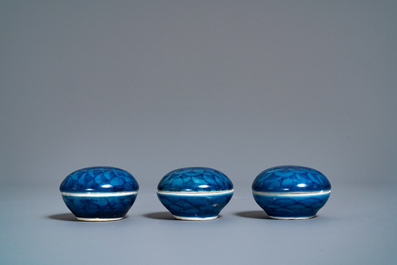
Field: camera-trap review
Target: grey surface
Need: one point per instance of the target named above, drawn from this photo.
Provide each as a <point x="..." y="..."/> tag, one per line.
<point x="240" y="86"/>
<point x="356" y="226"/>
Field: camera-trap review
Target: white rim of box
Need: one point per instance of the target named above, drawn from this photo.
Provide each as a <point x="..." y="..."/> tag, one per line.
<point x="99" y="194"/>
<point x="195" y="193"/>
<point x="322" y="192"/>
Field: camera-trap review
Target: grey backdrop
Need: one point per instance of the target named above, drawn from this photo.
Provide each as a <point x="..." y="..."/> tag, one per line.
<point x="240" y="86"/>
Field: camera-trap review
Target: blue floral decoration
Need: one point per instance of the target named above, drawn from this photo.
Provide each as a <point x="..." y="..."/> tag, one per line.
<point x="99" y="207"/>
<point x="195" y="206"/>
<point x="291" y="206"/>
<point x="195" y="179"/>
<point x="99" y="179"/>
<point x="290" y="179"/>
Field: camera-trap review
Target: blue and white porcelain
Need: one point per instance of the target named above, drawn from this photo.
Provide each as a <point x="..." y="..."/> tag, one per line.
<point x="99" y="193"/>
<point x="195" y="193"/>
<point x="291" y="192"/>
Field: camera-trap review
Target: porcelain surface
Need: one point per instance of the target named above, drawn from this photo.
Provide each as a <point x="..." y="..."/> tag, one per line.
<point x="99" y="193"/>
<point x="195" y="179"/>
<point x="291" y="192"/>
<point x="195" y="193"/>
<point x="290" y="179"/>
<point x="99" y="179"/>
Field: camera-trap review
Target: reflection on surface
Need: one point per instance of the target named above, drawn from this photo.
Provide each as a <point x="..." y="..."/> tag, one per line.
<point x="253" y="214"/>
<point x="160" y="216"/>
<point x="63" y="217"/>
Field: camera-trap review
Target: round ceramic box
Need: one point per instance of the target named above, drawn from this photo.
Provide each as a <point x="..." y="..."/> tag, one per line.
<point x="291" y="192"/>
<point x="99" y="193"/>
<point x="195" y="193"/>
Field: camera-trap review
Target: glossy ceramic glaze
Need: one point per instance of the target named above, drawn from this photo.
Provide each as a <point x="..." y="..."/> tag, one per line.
<point x="99" y="193"/>
<point x="195" y="193"/>
<point x="291" y="192"/>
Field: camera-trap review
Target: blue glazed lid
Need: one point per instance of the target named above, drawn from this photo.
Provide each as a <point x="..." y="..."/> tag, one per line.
<point x="99" y="179"/>
<point x="291" y="179"/>
<point x="193" y="179"/>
